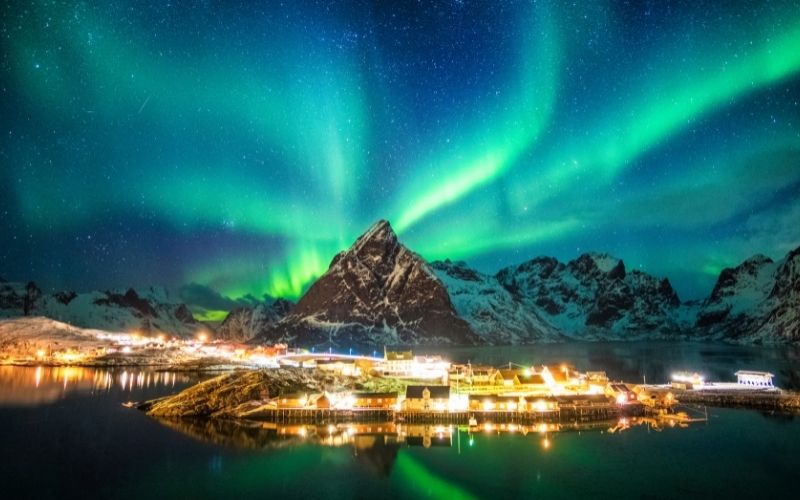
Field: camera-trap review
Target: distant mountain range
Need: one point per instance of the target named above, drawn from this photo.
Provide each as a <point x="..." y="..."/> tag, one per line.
<point x="149" y="311"/>
<point x="378" y="292"/>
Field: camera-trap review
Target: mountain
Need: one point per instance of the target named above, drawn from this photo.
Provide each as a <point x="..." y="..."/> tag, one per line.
<point x="756" y="301"/>
<point x="596" y="297"/>
<point x="377" y="292"/>
<point x="244" y="323"/>
<point x="148" y="311"/>
<point x="495" y="314"/>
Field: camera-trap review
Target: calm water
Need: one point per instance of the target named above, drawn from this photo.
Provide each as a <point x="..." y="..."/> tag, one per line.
<point x="65" y="434"/>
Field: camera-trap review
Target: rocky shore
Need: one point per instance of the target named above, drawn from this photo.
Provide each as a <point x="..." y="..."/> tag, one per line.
<point x="238" y="394"/>
<point x="761" y="400"/>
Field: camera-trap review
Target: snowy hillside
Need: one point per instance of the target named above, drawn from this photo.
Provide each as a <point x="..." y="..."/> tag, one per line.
<point x="148" y="311"/>
<point x="756" y="301"/>
<point x="595" y="297"/>
<point x="244" y="323"/>
<point x="492" y="311"/>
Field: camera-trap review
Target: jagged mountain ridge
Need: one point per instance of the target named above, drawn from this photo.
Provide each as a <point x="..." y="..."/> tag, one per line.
<point x="148" y="311"/>
<point x="756" y="301"/>
<point x="244" y="323"/>
<point x="595" y="297"/>
<point x="494" y="313"/>
<point x="377" y="292"/>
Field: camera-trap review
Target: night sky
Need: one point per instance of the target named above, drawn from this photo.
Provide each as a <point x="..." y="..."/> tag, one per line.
<point x="229" y="149"/>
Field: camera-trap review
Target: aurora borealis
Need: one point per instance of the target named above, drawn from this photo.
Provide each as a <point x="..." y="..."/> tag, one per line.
<point x="237" y="147"/>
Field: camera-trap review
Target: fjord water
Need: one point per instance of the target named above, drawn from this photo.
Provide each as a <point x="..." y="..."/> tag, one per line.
<point x="65" y="434"/>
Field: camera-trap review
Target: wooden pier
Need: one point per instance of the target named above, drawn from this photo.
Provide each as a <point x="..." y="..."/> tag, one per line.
<point x="568" y="413"/>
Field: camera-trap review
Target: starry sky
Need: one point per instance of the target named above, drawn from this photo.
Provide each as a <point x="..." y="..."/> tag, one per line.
<point x="227" y="150"/>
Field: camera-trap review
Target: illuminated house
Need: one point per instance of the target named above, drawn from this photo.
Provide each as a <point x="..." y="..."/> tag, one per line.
<point x="397" y="363"/>
<point x="320" y="401"/>
<point x="346" y="367"/>
<point x="523" y="378"/>
<point x="621" y="393"/>
<point x="495" y="402"/>
<point x="427" y="398"/>
<point x="293" y="400"/>
<point x="381" y="400"/>
<point x="754" y="379"/>
<point x="483" y="376"/>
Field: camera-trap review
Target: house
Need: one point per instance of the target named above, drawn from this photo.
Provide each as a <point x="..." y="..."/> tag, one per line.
<point x="508" y="377"/>
<point x="482" y="375"/>
<point x="397" y="363"/>
<point x="292" y="400"/>
<point x="379" y="400"/>
<point x="754" y="378"/>
<point x="346" y="367"/>
<point x="427" y="398"/>
<point x="320" y="401"/>
<point x="495" y="402"/>
<point x="621" y="393"/>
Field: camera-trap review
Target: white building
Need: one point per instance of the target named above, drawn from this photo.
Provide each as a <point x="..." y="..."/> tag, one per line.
<point x="754" y="379"/>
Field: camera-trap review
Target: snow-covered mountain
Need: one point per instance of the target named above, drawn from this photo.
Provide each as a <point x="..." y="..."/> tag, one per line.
<point x="595" y="297"/>
<point x="495" y="314"/>
<point x="377" y="292"/>
<point x="244" y="323"/>
<point x="149" y="311"/>
<point x="756" y="301"/>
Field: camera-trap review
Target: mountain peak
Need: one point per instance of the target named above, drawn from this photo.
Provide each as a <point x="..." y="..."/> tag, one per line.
<point x="376" y="292"/>
<point x="379" y="234"/>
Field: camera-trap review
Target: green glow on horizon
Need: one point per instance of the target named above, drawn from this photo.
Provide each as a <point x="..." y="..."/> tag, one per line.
<point x="210" y="315"/>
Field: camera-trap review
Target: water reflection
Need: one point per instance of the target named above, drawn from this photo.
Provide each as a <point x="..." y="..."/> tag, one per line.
<point x="31" y="386"/>
<point x="374" y="440"/>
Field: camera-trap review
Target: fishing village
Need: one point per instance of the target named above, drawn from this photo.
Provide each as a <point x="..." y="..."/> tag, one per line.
<point x="337" y="392"/>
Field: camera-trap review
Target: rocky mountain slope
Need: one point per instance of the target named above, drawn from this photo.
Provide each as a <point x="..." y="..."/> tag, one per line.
<point x="377" y="292"/>
<point x="596" y="297"/>
<point x="244" y="323"/>
<point x="149" y="311"/>
<point x="495" y="314"/>
<point x="756" y="301"/>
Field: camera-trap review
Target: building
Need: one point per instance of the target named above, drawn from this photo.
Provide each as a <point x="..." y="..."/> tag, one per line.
<point x="621" y="393"/>
<point x="320" y="401"/>
<point x="397" y="363"/>
<point x="374" y="400"/>
<point x="346" y="367"/>
<point x="754" y="378"/>
<point x="483" y="375"/>
<point x="494" y="402"/>
<point x="293" y="400"/>
<point x="427" y="398"/>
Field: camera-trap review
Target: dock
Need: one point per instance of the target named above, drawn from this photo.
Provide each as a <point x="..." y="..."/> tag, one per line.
<point x="564" y="414"/>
